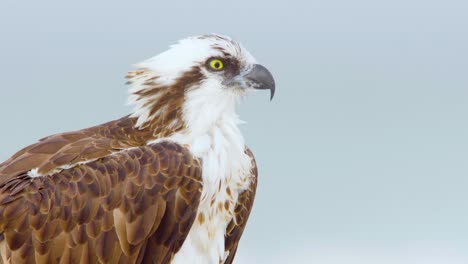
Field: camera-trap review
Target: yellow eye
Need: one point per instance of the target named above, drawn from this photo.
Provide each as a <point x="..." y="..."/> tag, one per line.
<point x="216" y="64"/>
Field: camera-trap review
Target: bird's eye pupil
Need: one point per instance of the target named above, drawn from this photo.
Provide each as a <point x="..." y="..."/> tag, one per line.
<point x="216" y="65"/>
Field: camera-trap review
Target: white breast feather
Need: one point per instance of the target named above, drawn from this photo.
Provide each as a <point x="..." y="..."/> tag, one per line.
<point x="213" y="136"/>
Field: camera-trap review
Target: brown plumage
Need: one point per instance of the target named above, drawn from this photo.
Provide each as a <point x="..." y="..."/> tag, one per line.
<point x="133" y="203"/>
<point x="107" y="210"/>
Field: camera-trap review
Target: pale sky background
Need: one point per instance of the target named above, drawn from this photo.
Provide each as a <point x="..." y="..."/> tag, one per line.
<point x="363" y="153"/>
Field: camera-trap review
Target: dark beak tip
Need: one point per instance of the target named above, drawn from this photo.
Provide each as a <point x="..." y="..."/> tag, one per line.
<point x="272" y="93"/>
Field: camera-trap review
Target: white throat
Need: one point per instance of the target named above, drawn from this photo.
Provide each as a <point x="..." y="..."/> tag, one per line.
<point x="213" y="135"/>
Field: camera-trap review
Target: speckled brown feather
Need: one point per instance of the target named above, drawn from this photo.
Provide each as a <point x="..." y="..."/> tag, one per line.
<point x="241" y="214"/>
<point x="137" y="204"/>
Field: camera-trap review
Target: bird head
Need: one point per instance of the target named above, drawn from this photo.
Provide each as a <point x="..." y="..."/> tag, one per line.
<point x="194" y="83"/>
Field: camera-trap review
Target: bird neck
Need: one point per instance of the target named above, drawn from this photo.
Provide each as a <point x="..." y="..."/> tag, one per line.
<point x="210" y="122"/>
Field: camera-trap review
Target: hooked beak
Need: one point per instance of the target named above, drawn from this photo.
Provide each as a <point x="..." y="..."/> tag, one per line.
<point x="260" y="77"/>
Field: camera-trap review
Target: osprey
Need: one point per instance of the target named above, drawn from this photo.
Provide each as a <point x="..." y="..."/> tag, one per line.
<point x="173" y="182"/>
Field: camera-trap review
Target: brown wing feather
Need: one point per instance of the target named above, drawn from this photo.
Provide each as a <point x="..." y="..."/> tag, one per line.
<point x="73" y="147"/>
<point x="135" y="205"/>
<point x="242" y="211"/>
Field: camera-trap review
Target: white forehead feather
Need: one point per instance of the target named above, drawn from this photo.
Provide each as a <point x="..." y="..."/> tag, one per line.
<point x="191" y="51"/>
